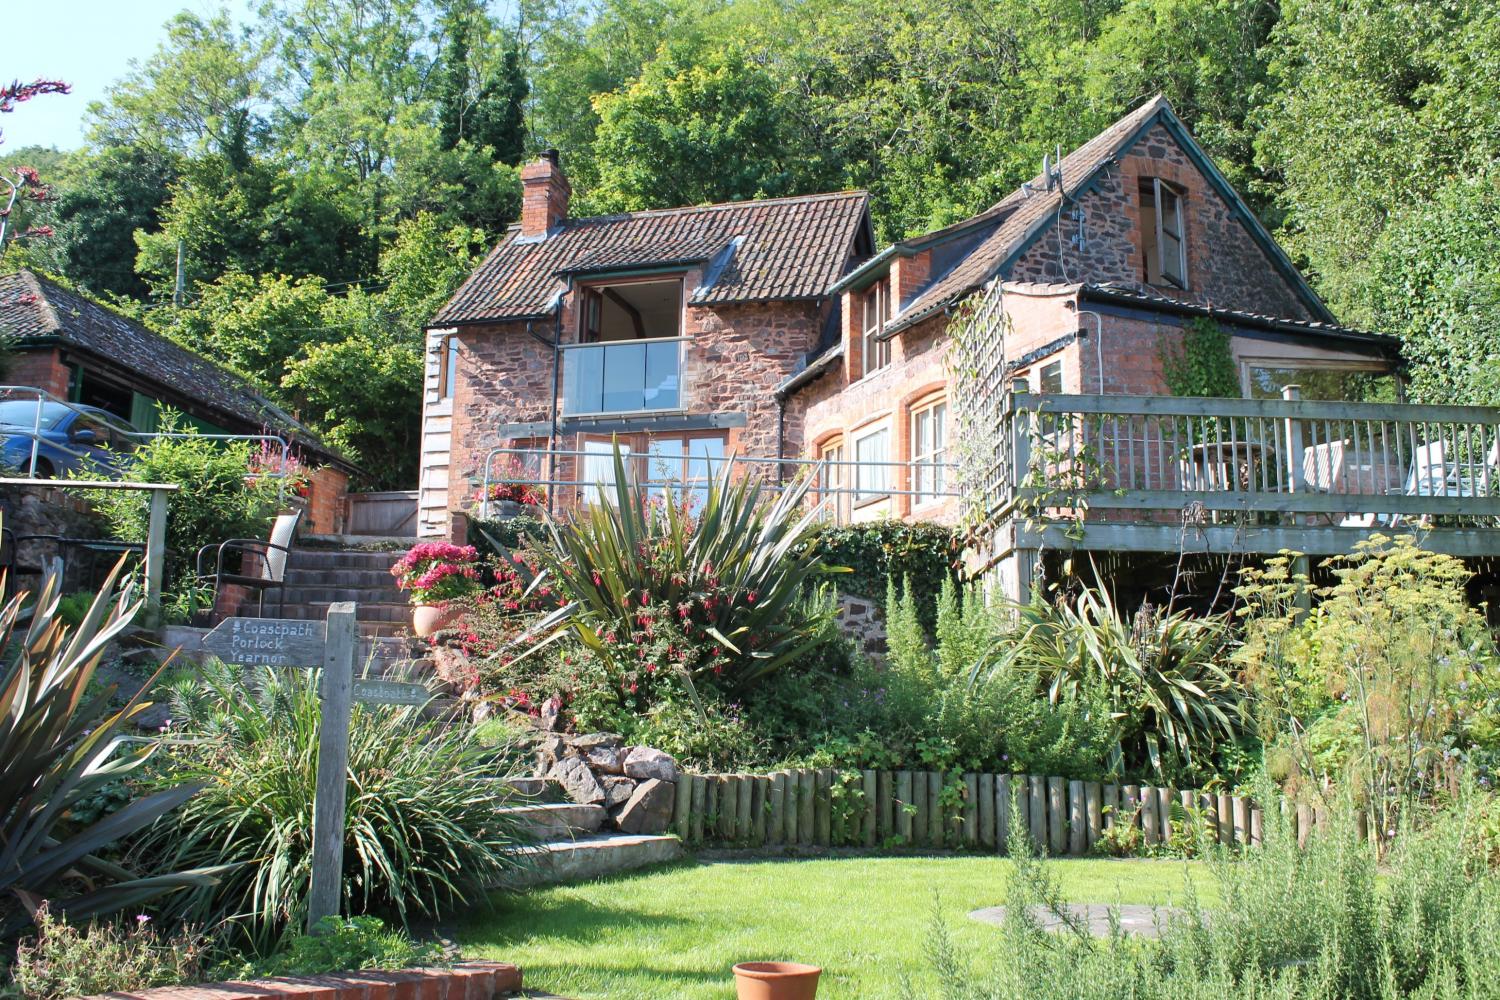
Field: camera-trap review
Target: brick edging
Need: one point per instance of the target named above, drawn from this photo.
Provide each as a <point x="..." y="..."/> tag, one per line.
<point x="464" y="981"/>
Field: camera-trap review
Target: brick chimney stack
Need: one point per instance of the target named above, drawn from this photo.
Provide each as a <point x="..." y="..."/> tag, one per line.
<point x="544" y="194"/>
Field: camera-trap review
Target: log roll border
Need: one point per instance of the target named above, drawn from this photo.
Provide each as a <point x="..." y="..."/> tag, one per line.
<point x="826" y="807"/>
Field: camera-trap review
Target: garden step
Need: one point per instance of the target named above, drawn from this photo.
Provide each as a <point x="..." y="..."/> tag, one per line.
<point x="324" y="559"/>
<point x="369" y="611"/>
<point x="532" y="789"/>
<point x="597" y="855"/>
<point x="552" y="821"/>
<point x="301" y="594"/>
<point x="324" y="576"/>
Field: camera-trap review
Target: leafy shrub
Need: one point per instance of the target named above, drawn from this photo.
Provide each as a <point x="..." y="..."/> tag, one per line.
<point x="218" y="499"/>
<point x="60" y="747"/>
<point x="436" y="572"/>
<point x="1388" y="684"/>
<point x="63" y="960"/>
<point x="422" y="837"/>
<point x="1003" y="724"/>
<point x="1320" y="923"/>
<point x="922" y="553"/>
<point x="1162" y="675"/>
<point x="727" y="568"/>
<point x="340" y="945"/>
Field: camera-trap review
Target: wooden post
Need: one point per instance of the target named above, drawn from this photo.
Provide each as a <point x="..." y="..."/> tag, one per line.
<point x="1164" y="799"/>
<point x="937" y="822"/>
<point x="156" y="556"/>
<point x="789" y="810"/>
<point x="1208" y="805"/>
<point x="1150" y="819"/>
<point x="774" y="808"/>
<point x="885" y="806"/>
<point x="699" y="807"/>
<point x="1093" y="804"/>
<point x="1057" y="816"/>
<point x="806" y="810"/>
<point x="971" y="810"/>
<point x="1257" y="827"/>
<point x="1004" y="820"/>
<point x="919" y="800"/>
<point x="1226" y="819"/>
<point x="1304" y="823"/>
<point x="333" y="763"/>
<point x="1078" y="841"/>
<point x="871" y="787"/>
<point x="682" y="803"/>
<point x="711" y="819"/>
<point x="1038" y="811"/>
<point x="759" y="785"/>
<point x="729" y="807"/>
<point x="904" y="824"/>
<point x="823" y="806"/>
<point x="1241" y="821"/>
<point x="987" y="811"/>
<point x="1111" y="806"/>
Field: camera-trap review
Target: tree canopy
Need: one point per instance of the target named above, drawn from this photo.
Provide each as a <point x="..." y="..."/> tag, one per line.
<point x="329" y="170"/>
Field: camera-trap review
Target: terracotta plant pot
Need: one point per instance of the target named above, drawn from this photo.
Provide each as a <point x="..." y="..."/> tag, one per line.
<point x="429" y="618"/>
<point x="776" y="981"/>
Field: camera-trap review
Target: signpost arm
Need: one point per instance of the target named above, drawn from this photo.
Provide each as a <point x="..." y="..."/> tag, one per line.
<point x="333" y="764"/>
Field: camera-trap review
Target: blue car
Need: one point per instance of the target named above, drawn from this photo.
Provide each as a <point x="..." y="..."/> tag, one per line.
<point x="71" y="439"/>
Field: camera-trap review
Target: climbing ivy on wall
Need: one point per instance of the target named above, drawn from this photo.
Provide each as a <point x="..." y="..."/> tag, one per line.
<point x="878" y="551"/>
<point x="1203" y="364"/>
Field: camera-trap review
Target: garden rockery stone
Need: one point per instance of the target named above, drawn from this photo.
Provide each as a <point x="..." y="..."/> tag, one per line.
<point x="637" y="786"/>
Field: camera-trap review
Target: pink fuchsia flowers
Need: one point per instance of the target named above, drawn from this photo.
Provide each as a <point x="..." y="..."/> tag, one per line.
<point x="438" y="571"/>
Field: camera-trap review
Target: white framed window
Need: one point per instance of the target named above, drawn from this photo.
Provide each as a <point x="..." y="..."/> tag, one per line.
<point x="833" y="476"/>
<point x="929" y="450"/>
<point x="1163" y="235"/>
<point x="447" y="365"/>
<point x="872" y="473"/>
<point x="599" y="468"/>
<point x="875" y="353"/>
<point x="1050" y="377"/>
<point x="688" y="465"/>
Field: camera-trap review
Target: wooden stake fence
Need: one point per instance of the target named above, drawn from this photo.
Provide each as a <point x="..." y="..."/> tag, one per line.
<point x="826" y="808"/>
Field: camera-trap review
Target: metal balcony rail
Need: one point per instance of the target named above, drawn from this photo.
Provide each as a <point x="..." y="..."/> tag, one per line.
<point x="833" y="483"/>
<point x="632" y="376"/>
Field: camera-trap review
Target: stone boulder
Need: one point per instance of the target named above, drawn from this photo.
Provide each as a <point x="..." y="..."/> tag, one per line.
<point x="578" y="781"/>
<point x="643" y="763"/>
<point x="649" y="809"/>
<point x="591" y="741"/>
<point x="617" y="790"/>
<point x="604" y="759"/>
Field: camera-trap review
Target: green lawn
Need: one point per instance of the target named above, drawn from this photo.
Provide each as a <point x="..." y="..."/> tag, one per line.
<point x="676" y="931"/>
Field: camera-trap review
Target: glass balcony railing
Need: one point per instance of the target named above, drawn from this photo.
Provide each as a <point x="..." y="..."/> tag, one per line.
<point x="632" y="376"/>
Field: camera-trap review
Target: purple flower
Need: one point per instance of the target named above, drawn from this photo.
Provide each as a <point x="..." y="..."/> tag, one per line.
<point x="142" y="919"/>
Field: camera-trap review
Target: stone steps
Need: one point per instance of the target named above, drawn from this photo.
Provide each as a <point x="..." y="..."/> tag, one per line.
<point x="556" y="821"/>
<point x="597" y="855"/>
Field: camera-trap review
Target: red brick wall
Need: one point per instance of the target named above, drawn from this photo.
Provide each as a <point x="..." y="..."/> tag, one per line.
<point x="1225" y="265"/>
<point x="544" y="196"/>
<point x="41" y="368"/>
<point x="328" y="489"/>
<point x="466" y="981"/>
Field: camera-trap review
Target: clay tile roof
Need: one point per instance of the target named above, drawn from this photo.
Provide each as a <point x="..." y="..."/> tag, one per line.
<point x="33" y="307"/>
<point x="1021" y="213"/>
<point x="777" y="248"/>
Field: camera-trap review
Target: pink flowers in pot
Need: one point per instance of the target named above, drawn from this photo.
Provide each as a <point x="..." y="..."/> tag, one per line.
<point x="435" y="572"/>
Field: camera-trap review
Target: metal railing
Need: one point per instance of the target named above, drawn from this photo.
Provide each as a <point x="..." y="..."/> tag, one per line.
<point x="577" y="475"/>
<point x="632" y="376"/>
<point x="1344" y="464"/>
<point x="10" y="393"/>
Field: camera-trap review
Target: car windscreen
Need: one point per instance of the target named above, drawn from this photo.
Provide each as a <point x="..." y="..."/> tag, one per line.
<point x="22" y="413"/>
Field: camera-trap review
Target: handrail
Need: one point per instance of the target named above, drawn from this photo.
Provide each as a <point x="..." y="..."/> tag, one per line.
<point x="1216" y="406"/>
<point x="36" y="437"/>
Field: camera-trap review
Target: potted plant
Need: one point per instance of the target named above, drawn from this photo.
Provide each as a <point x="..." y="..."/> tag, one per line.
<point x="513" y="495"/>
<point x="436" y="573"/>
<point x="776" y="981"/>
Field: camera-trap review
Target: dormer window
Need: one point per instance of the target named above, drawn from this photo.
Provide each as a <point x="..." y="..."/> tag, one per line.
<point x="876" y="353"/>
<point x="1162" y="234"/>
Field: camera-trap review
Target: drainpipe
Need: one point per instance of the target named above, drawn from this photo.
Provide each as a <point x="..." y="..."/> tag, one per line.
<point x="780" y="439"/>
<point x="556" y="382"/>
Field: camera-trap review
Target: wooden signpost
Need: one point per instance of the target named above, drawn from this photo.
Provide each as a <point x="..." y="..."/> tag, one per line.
<point x="275" y="642"/>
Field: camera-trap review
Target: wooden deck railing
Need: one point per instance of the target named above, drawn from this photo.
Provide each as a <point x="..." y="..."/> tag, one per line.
<point x="1312" y="463"/>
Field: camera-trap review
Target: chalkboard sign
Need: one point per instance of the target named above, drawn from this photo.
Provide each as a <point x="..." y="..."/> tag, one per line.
<point x="268" y="642"/>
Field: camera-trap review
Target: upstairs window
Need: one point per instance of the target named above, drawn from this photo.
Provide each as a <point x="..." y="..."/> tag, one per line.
<point x="447" y="366"/>
<point x="1162" y="241"/>
<point x="876" y="353"/>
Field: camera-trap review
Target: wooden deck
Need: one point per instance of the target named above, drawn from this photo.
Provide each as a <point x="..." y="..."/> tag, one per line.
<point x="1174" y="474"/>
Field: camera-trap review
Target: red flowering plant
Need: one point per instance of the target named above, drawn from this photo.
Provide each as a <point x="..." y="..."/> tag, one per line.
<point x="269" y="461"/>
<point x="513" y="486"/>
<point x="436" y="572"/>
